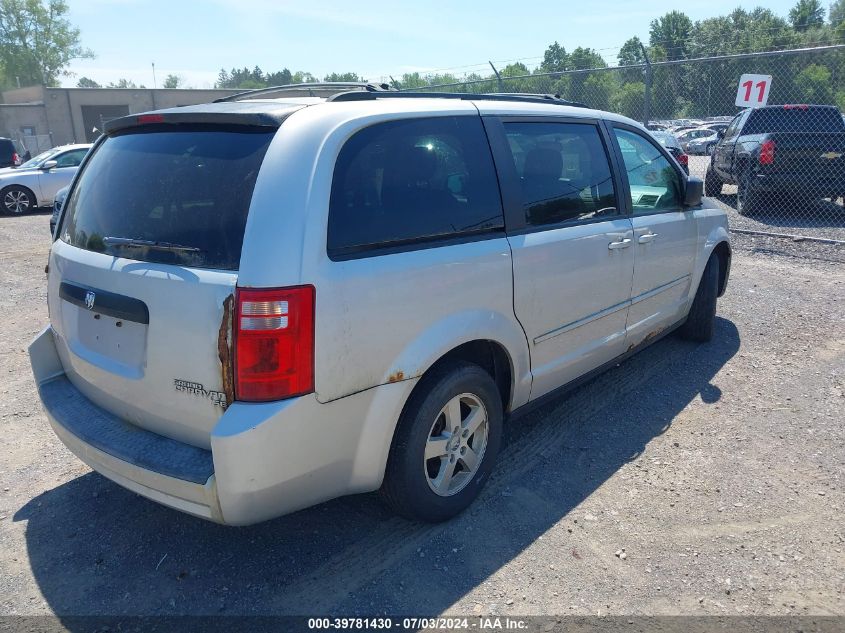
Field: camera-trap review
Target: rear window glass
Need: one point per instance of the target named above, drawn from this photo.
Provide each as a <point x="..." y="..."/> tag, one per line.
<point x="410" y="180"/>
<point x="168" y="196"/>
<point x="797" y="119"/>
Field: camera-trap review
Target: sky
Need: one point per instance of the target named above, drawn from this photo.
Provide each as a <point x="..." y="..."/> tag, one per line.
<point x="376" y="38"/>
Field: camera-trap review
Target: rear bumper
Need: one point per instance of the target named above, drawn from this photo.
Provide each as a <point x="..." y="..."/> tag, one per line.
<point x="266" y="459"/>
<point x="796" y="182"/>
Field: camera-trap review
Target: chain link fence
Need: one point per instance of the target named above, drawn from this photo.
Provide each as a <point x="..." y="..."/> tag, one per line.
<point x="792" y="185"/>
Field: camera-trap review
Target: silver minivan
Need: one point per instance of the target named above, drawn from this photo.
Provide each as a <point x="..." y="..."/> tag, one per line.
<point x="260" y="304"/>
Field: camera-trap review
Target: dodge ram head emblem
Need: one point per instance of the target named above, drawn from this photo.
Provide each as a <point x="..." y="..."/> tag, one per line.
<point x="90" y="297"/>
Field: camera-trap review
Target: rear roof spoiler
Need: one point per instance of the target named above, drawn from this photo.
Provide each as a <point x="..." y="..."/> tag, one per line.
<point x="237" y="113"/>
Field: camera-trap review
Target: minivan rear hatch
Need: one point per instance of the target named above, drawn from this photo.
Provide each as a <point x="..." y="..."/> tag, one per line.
<point x="146" y="262"/>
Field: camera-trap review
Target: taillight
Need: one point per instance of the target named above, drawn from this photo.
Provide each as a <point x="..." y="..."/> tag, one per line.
<point x="274" y="343"/>
<point x="16" y="160"/>
<point x="767" y="152"/>
<point x="683" y="159"/>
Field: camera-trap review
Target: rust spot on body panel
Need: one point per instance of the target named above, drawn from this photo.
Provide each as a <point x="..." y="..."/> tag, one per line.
<point x="652" y="335"/>
<point x="396" y="376"/>
<point x="224" y="350"/>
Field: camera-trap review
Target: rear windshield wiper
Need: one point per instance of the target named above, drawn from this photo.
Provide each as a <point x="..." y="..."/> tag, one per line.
<point x="161" y="246"/>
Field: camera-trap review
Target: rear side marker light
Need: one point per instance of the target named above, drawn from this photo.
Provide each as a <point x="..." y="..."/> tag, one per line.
<point x="274" y="343"/>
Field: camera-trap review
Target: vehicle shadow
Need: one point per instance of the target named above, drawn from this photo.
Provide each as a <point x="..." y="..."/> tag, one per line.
<point x="97" y="549"/>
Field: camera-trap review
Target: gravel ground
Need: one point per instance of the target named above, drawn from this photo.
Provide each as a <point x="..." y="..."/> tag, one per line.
<point x="817" y="218"/>
<point x="691" y="479"/>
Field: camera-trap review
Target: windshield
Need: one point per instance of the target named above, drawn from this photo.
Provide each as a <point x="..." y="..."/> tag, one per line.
<point x="35" y="162"/>
<point x="665" y="139"/>
<point x="170" y="196"/>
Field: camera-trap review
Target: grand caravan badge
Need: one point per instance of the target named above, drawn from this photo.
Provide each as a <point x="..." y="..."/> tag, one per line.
<point x="218" y="398"/>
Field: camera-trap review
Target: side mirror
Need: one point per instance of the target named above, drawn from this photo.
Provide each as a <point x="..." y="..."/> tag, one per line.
<point x="49" y="165"/>
<point x="720" y="134"/>
<point x="694" y="192"/>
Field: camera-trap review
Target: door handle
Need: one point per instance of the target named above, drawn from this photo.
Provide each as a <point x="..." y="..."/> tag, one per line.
<point x="646" y="238"/>
<point x="620" y="244"/>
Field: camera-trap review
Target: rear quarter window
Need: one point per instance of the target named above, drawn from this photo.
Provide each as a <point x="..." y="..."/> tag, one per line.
<point x="188" y="187"/>
<point x="404" y="182"/>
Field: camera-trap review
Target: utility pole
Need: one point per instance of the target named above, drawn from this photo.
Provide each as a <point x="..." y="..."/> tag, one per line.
<point x="647" y="99"/>
<point x="154" y="75"/>
<point x="498" y="77"/>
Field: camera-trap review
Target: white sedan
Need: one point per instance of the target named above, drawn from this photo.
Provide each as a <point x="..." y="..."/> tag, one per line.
<point x="35" y="183"/>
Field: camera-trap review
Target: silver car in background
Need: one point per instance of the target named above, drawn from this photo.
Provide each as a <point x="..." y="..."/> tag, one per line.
<point x="703" y="145"/>
<point x="35" y="183"/>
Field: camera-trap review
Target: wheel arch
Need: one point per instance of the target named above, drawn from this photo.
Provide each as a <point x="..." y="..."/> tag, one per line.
<point x="722" y="250"/>
<point x="713" y="231"/>
<point x="490" y="354"/>
<point x="493" y="340"/>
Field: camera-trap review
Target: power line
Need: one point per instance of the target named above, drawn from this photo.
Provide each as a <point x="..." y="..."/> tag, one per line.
<point x="695" y="39"/>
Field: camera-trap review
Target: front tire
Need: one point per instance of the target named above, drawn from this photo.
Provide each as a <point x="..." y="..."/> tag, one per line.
<point x="702" y="315"/>
<point x="445" y="444"/>
<point x="16" y="200"/>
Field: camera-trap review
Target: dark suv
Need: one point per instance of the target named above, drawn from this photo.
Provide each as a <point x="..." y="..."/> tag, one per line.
<point x="771" y="153"/>
<point x="9" y="156"/>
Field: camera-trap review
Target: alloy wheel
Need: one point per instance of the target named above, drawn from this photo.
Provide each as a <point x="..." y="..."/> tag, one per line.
<point x="16" y="201"/>
<point x="456" y="444"/>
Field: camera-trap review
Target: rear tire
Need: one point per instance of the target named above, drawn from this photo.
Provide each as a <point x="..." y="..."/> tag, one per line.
<point x="747" y="198"/>
<point x="712" y="183"/>
<point x="16" y="200"/>
<point x="432" y="472"/>
<point x="702" y="315"/>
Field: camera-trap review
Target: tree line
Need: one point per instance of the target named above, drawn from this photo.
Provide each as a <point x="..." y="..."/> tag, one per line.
<point x="38" y="43"/>
<point x="689" y="88"/>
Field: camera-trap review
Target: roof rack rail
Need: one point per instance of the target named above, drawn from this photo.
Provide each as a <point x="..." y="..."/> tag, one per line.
<point x="310" y="87"/>
<point x="524" y="97"/>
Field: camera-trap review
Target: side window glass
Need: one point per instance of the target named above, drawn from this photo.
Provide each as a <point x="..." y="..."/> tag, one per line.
<point x="729" y="132"/>
<point x="411" y="180"/>
<point x="655" y="184"/>
<point x="563" y="171"/>
<point x="737" y="124"/>
<point x="71" y="159"/>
